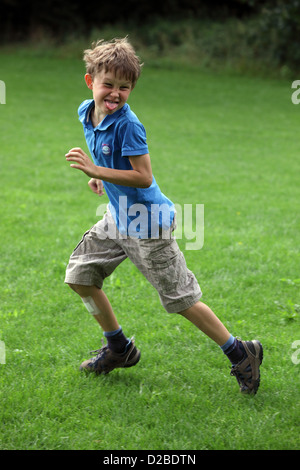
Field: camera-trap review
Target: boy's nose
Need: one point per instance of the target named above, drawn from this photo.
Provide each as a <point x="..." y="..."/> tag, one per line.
<point x="115" y="92"/>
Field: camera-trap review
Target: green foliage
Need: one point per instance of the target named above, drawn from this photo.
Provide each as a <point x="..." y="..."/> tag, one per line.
<point x="278" y="29"/>
<point x="245" y="46"/>
<point x="20" y="19"/>
<point x="244" y="35"/>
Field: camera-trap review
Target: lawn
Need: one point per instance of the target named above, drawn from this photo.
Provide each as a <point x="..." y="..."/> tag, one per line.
<point x="225" y="141"/>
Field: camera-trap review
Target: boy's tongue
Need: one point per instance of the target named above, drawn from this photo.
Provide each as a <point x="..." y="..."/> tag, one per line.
<point x="110" y="105"/>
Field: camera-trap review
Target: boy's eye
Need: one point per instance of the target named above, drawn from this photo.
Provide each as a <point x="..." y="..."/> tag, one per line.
<point x="109" y="85"/>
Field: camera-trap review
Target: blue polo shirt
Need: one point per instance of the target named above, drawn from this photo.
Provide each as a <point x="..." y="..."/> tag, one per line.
<point x="139" y="212"/>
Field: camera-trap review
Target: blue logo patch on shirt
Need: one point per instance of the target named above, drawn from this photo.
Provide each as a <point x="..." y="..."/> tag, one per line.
<point x="106" y="150"/>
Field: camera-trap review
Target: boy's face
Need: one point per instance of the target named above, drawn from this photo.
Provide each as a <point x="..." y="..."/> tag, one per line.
<point x="109" y="92"/>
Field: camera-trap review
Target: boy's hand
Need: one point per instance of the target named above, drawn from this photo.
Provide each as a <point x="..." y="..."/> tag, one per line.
<point x="96" y="186"/>
<point x="83" y="162"/>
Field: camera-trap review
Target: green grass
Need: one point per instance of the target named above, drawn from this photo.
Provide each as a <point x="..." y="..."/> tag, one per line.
<point x="228" y="142"/>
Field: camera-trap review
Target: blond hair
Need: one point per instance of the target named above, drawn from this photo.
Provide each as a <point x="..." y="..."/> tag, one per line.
<point x="116" y="56"/>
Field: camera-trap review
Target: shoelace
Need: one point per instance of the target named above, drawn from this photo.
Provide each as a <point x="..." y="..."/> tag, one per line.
<point x="99" y="353"/>
<point x="241" y="378"/>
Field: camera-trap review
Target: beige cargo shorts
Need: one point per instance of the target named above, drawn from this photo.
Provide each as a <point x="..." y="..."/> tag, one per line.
<point x="103" y="248"/>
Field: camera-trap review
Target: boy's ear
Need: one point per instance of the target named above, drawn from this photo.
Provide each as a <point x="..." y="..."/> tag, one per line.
<point x="88" y="80"/>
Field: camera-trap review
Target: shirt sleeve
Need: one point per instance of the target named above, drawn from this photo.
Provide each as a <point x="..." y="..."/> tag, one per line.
<point x="133" y="140"/>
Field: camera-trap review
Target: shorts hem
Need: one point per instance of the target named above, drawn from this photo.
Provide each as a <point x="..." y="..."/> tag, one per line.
<point x="179" y="306"/>
<point x="84" y="282"/>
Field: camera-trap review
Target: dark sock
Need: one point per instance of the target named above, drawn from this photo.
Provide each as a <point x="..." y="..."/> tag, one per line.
<point x="235" y="352"/>
<point x="116" y="340"/>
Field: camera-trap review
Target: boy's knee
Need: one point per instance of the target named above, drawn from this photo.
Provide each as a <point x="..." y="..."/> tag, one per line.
<point x="86" y="294"/>
<point x="83" y="291"/>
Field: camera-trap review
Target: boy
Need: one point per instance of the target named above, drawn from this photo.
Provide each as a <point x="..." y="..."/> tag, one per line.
<point x="121" y="165"/>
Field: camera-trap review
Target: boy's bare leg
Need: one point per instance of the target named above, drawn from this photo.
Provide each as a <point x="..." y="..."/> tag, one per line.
<point x="199" y="314"/>
<point x="119" y="350"/>
<point x="205" y="319"/>
<point x="106" y="318"/>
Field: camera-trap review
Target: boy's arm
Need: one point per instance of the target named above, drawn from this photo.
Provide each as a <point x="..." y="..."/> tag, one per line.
<point x="139" y="177"/>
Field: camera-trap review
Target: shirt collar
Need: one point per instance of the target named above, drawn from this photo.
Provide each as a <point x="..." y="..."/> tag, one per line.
<point x="109" y="118"/>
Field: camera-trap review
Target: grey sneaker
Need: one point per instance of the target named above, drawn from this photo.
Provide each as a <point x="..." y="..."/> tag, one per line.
<point x="247" y="371"/>
<point x="106" y="360"/>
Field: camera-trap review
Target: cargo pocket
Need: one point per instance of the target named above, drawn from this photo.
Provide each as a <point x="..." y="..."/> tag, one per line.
<point x="162" y="261"/>
<point x="81" y="241"/>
